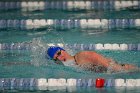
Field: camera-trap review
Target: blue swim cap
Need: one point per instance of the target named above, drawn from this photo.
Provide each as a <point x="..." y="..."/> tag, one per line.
<point x="52" y="50"/>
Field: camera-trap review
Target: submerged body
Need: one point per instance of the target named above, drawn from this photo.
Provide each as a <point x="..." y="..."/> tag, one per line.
<point x="89" y="60"/>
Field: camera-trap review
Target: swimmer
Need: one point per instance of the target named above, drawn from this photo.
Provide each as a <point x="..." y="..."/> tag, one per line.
<point x="89" y="60"/>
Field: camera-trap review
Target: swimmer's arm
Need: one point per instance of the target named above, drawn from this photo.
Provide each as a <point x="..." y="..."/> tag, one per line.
<point x="106" y="63"/>
<point x="101" y="60"/>
<point x="115" y="66"/>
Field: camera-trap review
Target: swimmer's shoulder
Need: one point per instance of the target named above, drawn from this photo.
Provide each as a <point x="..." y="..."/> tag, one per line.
<point x="83" y="56"/>
<point x="81" y="53"/>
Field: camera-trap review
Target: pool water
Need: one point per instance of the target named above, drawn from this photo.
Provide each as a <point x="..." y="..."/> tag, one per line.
<point x="119" y="36"/>
<point x="33" y="60"/>
<point x="66" y="14"/>
<point x="28" y="63"/>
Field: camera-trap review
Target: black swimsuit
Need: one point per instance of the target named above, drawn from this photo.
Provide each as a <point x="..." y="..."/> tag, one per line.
<point x="75" y="60"/>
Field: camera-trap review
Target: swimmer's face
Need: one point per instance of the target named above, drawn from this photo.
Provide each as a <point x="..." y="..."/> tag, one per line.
<point x="60" y="55"/>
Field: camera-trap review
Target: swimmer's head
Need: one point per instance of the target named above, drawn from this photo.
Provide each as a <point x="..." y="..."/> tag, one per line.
<point x="52" y="50"/>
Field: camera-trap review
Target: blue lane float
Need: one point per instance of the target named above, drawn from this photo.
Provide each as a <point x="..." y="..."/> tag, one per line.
<point x="62" y="83"/>
<point x="70" y="5"/>
<point x="70" y="23"/>
<point x="99" y="46"/>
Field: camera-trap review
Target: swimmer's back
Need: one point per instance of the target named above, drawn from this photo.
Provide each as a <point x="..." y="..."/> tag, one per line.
<point x="87" y="56"/>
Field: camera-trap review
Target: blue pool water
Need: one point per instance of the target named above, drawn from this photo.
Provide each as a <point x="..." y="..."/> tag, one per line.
<point x="31" y="63"/>
<point x="33" y="60"/>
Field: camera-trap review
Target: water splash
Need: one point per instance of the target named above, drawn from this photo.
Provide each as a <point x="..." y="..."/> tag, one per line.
<point x="38" y="52"/>
<point x="38" y="49"/>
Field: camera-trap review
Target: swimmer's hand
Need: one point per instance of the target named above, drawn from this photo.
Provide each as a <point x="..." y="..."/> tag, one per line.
<point x="129" y="67"/>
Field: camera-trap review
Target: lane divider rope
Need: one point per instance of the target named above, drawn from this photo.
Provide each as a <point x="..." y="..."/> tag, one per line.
<point x="70" y="23"/>
<point x="98" y="46"/>
<point x="61" y="82"/>
<point x="70" y="5"/>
